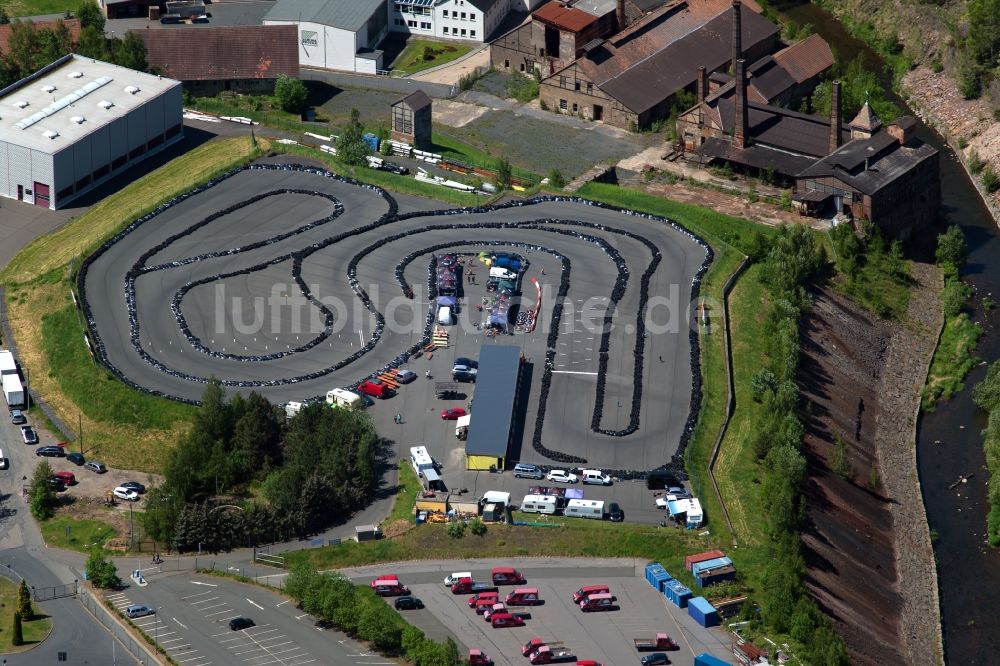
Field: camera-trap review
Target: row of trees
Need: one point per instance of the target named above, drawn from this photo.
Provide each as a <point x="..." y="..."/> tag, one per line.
<point x="30" y="48"/>
<point x="358" y="612"/>
<point x="315" y="468"/>
<point x="981" y="45"/>
<point x="790" y="261"/>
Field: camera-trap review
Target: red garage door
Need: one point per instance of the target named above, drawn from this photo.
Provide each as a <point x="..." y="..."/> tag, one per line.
<point x="41" y="194"/>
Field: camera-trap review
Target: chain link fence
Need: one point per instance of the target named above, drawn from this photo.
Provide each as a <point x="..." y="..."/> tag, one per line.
<point x="140" y="652"/>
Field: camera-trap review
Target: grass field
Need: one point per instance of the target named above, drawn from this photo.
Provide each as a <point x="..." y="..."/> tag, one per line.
<point x="421" y="54"/>
<point x="38" y="7"/>
<point x="406" y="494"/>
<point x="81" y="535"/>
<point x="33" y="631"/>
<point x="954" y="359"/>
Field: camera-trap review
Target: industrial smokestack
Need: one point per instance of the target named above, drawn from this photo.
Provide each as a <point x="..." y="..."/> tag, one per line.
<point x="620" y="14"/>
<point x="702" y="84"/>
<point x="834" y="116"/>
<point x="741" y="130"/>
<point x="737" y="31"/>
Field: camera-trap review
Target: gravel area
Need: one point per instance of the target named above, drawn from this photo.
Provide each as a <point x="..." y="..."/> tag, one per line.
<point x="903" y="377"/>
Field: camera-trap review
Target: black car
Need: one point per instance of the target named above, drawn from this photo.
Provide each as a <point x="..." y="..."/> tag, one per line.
<point x="76" y="458"/>
<point x="408" y="603"/>
<point x="240" y="623"/>
<point x="615" y="513"/>
<point x="50" y="452"/>
<point x="56" y="484"/>
<point x="655" y="659"/>
<point x="134" y="485"/>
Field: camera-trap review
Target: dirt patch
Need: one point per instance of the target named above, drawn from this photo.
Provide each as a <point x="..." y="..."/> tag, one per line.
<point x="729" y="204"/>
<point x="849" y="545"/>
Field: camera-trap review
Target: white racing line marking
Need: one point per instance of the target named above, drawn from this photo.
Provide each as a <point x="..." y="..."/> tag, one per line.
<point x="282" y="603"/>
<point x="178" y="622"/>
<point x="198" y="582"/>
<point x="572" y="372"/>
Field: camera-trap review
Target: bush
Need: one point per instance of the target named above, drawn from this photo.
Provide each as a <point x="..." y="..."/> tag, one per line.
<point x="456" y="530"/>
<point x="954" y="296"/>
<point x="990" y="179"/>
<point x="951" y="247"/>
<point x="840" y="463"/>
<point x="970" y="82"/>
<point x="556" y="179"/>
<point x="504" y="174"/>
<point x="477" y="527"/>
<point x="101" y="571"/>
<point x="290" y="94"/>
<point x="43" y="498"/>
<point x="975" y="164"/>
<point x="762" y="382"/>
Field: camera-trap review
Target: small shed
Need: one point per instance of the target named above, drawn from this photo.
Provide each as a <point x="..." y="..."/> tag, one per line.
<point x="411" y="120"/>
<point x="367" y="533"/>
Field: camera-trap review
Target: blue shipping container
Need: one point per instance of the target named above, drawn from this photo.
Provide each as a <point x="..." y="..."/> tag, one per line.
<point x="651" y="569"/>
<point x="677" y="593"/>
<point x="705" y="659"/>
<point x="371" y="140"/>
<point x="703" y="612"/>
<point x="660" y="579"/>
<point x="710" y="564"/>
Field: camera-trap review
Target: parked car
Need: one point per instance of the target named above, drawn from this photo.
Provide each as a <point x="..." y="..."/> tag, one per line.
<point x="499" y="620"/>
<point x="405" y="376"/>
<point x="50" y="451"/>
<point x="75" y="458"/>
<point x="615" y="513"/>
<point x="126" y="494"/>
<point x="560" y="476"/>
<point x="407" y="603"/>
<point x="596" y="477"/>
<point x="56" y="484"/>
<point x="240" y="623"/>
<point x="17" y="417"/>
<point x="134" y="485"/>
<point x="375" y="389"/>
<point x="67" y="478"/>
<point x="95" y="466"/>
<point x="138" y="610"/>
<point x="4" y="463"/>
<point x="453" y="413"/>
<point x="464" y="370"/>
<point x="524" y="471"/>
<point x="655" y="659"/>
<point x="29" y="435"/>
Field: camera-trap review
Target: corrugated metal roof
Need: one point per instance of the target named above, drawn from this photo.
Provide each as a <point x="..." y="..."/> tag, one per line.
<point x="806" y="59"/>
<point x="564" y="18"/>
<point x="345" y="14"/>
<point x="493" y="402"/>
<point x="205" y="54"/>
<point x="757" y="155"/>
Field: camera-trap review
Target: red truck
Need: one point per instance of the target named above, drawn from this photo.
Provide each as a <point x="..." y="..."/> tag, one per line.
<point x="536" y="642"/>
<point x="389" y="587"/>
<point x="475" y="599"/>
<point x="598" y="602"/>
<point x="523" y="596"/>
<point x="504" y="619"/>
<point x="507" y="576"/>
<point x="478" y="658"/>
<point x="468" y="586"/>
<point x="551" y="655"/>
<point x="375" y="389"/>
<point x="661" y="642"/>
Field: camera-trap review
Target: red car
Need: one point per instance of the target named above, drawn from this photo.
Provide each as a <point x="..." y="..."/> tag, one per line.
<point x="453" y="413"/>
<point x="376" y="389"/>
<point x="500" y="620"/>
<point x="67" y="478"/>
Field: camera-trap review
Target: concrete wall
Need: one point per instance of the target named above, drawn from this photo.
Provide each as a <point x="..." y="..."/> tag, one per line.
<point x="324" y="46"/>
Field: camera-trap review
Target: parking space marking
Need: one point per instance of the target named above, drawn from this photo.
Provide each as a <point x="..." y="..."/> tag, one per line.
<point x="192" y="596"/>
<point x="227" y="610"/>
<point x="184" y="661"/>
<point x="203" y="601"/>
<point x="205" y="608"/>
<point x="299" y="617"/>
<point x="179" y="622"/>
<point x="282" y="603"/>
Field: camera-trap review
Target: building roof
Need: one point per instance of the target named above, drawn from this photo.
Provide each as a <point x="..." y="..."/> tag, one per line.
<point x="866" y="119"/>
<point x="416" y="100"/>
<point x="769" y="78"/>
<point x="200" y="53"/>
<point x="782" y="128"/>
<point x="344" y="14"/>
<point x="482" y="5"/>
<point x="496" y="388"/>
<point x="757" y="155"/>
<point x="70" y="99"/>
<point x="73" y="25"/>
<point x="570" y="19"/>
<point x="640" y="83"/>
<point x="805" y="59"/>
<point x="596" y="8"/>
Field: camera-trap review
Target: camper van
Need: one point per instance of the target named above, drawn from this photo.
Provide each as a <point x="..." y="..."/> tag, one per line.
<point x="339" y="397"/>
<point x="424" y="466"/>
<point x="539" y="504"/>
<point x="293" y="408"/>
<point x="582" y="508"/>
<point x="444" y="315"/>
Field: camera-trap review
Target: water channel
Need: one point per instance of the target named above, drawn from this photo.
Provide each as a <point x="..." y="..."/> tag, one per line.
<point x="948" y="439"/>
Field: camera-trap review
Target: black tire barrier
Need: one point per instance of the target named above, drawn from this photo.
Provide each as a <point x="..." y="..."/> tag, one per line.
<point x="139" y="268"/>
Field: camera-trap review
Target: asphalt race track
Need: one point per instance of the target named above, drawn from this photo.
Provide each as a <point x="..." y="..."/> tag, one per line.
<point x="290" y="281"/>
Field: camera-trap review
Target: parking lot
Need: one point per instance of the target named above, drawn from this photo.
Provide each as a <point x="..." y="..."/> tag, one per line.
<point x="604" y="636"/>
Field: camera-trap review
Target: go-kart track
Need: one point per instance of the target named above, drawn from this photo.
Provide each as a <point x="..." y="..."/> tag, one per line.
<point x="290" y="281"/>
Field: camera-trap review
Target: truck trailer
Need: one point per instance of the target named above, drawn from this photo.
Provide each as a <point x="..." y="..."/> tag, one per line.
<point x="13" y="392"/>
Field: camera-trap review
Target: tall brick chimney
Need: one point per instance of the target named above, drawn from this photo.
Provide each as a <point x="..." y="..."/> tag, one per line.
<point x="741" y="128"/>
<point x="834" y="116"/>
<point x="702" y="84"/>
<point x="737" y="31"/>
<point x="620" y="14"/>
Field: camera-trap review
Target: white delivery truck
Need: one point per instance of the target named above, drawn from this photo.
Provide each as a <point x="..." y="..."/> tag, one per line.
<point x="444" y="315"/>
<point x="584" y="508"/>
<point x="13" y="392"/>
<point x="8" y="366"/>
<point x="339" y="397"/>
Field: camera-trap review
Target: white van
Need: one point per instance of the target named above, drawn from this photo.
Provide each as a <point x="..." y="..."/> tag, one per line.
<point x="339" y="397"/>
<point x="453" y="578"/>
<point x="539" y="504"/>
<point x="583" y="508"/>
<point x="502" y="273"/>
<point x="596" y="477"/>
<point x="444" y="315"/>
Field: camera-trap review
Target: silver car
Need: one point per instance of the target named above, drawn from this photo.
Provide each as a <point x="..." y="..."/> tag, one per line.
<point x="138" y="610"/>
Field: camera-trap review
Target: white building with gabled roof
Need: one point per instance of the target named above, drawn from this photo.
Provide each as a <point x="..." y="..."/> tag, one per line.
<point x="78" y="122"/>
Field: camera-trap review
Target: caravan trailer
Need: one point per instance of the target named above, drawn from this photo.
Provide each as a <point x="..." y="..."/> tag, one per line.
<point x="539" y="504"/>
<point x="424" y="466"/>
<point x="582" y="508"/>
<point x="339" y="397"/>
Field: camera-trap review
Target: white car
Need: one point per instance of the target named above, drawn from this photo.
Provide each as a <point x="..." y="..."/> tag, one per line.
<point x="560" y="476"/>
<point x="126" y="494"/>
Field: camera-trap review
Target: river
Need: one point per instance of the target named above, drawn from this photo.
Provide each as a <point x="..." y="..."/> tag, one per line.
<point x="948" y="439"/>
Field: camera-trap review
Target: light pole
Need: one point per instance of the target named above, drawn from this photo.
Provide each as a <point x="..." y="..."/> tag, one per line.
<point x="156" y="628"/>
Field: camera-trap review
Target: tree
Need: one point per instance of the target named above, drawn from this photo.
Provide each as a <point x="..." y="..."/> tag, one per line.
<point x="954" y="296"/>
<point x="43" y="498"/>
<point x="986" y="394"/>
<point x="24" y="601"/>
<point x="101" y="571"/>
<point x="504" y="174"/>
<point x="761" y="382"/>
<point x="556" y="179"/>
<point x="4" y="19"/>
<point x="17" y="637"/>
<point x="129" y="51"/>
<point x="351" y="147"/>
<point x="951" y="248"/>
<point x="291" y="94"/>
<point x="840" y="462"/>
<point x="380" y="625"/>
<point x="90" y="15"/>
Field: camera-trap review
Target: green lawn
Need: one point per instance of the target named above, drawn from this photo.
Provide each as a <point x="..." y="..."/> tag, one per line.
<point x="79" y="535"/>
<point x="455" y="149"/>
<point x="38" y="7"/>
<point x="954" y="359"/>
<point x="33" y="631"/>
<point x="261" y="109"/>
<point x="421" y="54"/>
<point x="406" y="494"/>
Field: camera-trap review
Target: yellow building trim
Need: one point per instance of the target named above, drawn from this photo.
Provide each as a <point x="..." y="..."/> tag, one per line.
<point x="483" y="462"/>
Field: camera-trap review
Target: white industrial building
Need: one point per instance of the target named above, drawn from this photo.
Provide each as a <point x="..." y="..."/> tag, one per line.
<point x="78" y="122"/>
<point x="473" y="20"/>
<point x="335" y="34"/>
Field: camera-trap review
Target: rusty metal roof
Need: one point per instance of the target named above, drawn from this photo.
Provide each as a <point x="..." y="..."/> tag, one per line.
<point x="756" y="155"/>
<point x="782" y="128"/>
<point x="202" y="53"/>
<point x="564" y="18"/>
<point x="806" y="59"/>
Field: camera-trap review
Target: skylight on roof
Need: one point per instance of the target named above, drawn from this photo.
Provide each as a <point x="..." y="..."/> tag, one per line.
<point x="78" y="119"/>
<point x="74" y="75"/>
<point x="131" y="90"/>
<point x="48" y="88"/>
<point x="50" y="134"/>
<point x="105" y="104"/>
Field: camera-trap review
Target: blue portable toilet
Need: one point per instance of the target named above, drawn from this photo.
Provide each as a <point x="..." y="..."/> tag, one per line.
<point x="371" y="140"/>
<point x="703" y="612"/>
